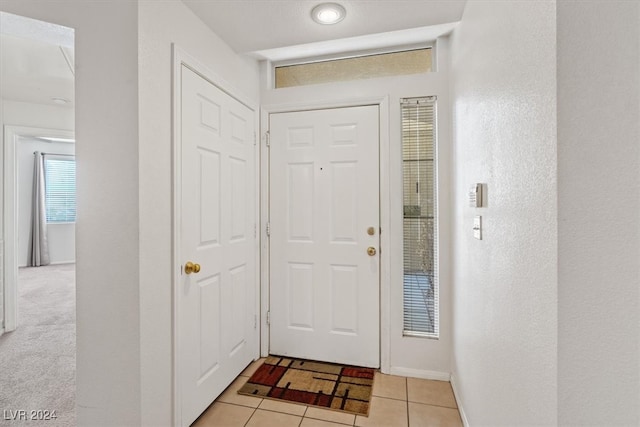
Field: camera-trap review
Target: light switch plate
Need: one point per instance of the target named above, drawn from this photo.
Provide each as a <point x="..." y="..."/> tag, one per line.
<point x="477" y="227"/>
<point x="475" y="196"/>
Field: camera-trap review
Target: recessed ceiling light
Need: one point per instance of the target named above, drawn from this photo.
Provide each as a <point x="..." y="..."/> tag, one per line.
<point x="328" y="13"/>
<point x="60" y="101"/>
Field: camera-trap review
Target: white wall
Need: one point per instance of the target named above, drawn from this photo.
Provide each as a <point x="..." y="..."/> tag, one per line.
<point x="162" y="23"/>
<point x="405" y="356"/>
<point x="124" y="265"/>
<point x="61" y="237"/>
<point x="16" y="113"/>
<point x="598" y="211"/>
<point x="107" y="269"/>
<point x="505" y="286"/>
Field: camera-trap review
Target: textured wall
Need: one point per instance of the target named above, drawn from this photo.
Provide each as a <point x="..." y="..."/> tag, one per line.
<point x="108" y="340"/>
<point x="599" y="212"/>
<point x="505" y="286"/>
<point x="16" y="113"/>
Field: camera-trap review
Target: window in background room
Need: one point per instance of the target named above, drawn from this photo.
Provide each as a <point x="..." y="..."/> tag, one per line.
<point x="420" y="285"/>
<point x="354" y="68"/>
<point x="60" y="188"/>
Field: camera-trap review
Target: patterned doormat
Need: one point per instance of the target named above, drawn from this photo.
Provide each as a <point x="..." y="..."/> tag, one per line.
<point x="325" y="385"/>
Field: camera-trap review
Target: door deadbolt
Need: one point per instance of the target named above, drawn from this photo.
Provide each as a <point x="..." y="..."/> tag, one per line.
<point x="371" y="231"/>
<point x="371" y="251"/>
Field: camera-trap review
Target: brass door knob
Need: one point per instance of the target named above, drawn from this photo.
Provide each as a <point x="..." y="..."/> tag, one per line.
<point x="190" y="267"/>
<point x="371" y="251"/>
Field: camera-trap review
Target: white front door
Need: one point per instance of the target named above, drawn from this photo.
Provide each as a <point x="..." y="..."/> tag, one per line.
<point x="324" y="218"/>
<point x="217" y="305"/>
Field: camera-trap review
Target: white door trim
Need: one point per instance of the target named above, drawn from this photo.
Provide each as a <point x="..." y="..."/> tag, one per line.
<point x="10" y="225"/>
<point x="180" y="58"/>
<point x="385" y="222"/>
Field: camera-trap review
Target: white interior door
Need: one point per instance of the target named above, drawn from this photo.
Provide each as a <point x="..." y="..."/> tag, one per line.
<point x="324" y="215"/>
<point x="217" y="305"/>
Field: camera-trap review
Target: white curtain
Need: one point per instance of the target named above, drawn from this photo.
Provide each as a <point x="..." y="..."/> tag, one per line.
<point x="38" y="245"/>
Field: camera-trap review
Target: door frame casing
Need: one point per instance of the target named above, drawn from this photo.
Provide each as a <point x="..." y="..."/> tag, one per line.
<point x="180" y="58"/>
<point x="10" y="213"/>
<point x="385" y="221"/>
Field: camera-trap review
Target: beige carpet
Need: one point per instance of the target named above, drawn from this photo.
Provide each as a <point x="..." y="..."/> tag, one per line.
<point x="38" y="359"/>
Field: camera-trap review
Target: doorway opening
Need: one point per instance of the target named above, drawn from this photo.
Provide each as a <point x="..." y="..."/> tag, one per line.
<point x="325" y="267"/>
<point x="37" y="286"/>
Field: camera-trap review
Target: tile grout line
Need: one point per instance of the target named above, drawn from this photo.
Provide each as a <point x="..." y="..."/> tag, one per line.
<point x="406" y="382"/>
<point x="390" y="398"/>
<point x="303" y="414"/>
<point x="252" y="414"/>
<point x="286" y="413"/>
<point x="432" y="404"/>
<point x="237" y="404"/>
<point x="329" y="421"/>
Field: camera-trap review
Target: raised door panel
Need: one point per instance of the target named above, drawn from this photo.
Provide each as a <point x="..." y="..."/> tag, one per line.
<point x="324" y="187"/>
<point x="216" y="306"/>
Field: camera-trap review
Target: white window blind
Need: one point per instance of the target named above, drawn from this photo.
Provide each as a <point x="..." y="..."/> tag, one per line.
<point x="420" y="285"/>
<point x="60" y="188"/>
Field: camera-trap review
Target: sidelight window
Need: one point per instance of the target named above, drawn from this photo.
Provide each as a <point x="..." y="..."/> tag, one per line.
<point x="420" y="284"/>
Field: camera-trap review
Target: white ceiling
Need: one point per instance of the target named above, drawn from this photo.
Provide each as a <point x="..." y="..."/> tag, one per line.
<point x="36" y="61"/>
<point x="255" y="26"/>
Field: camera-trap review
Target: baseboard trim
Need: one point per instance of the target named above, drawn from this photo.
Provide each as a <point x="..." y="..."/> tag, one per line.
<point x="420" y="373"/>
<point x="465" y="421"/>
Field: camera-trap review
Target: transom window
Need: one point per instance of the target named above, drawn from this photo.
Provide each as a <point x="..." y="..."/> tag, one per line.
<point x="359" y="67"/>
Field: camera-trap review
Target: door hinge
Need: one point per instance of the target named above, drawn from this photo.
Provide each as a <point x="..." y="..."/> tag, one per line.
<point x="267" y="138"/>
<point x="268" y="229"/>
<point x="255" y="138"/>
<point x="255" y="321"/>
<point x="255" y="230"/>
<point x="268" y="317"/>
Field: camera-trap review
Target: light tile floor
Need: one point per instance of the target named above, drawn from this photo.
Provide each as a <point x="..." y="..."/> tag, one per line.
<point x="396" y="402"/>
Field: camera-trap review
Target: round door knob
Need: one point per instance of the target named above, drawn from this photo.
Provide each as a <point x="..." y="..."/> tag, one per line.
<point x="190" y="267"/>
<point x="371" y="251"/>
